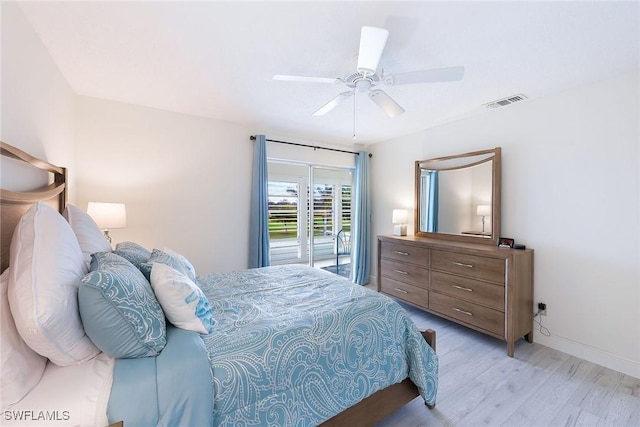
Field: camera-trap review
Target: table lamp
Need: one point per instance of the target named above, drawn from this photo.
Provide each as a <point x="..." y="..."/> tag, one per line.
<point x="483" y="211"/>
<point x="108" y="216"/>
<point x="399" y="219"/>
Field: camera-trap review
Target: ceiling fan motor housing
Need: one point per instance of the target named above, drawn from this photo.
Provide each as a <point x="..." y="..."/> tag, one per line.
<point x="362" y="83"/>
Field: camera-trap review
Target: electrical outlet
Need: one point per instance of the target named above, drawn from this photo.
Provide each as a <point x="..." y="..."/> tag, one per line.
<point x="542" y="308"/>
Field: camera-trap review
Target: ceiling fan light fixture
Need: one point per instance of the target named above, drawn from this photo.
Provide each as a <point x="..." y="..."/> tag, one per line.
<point x="362" y="86"/>
<point x="372" y="42"/>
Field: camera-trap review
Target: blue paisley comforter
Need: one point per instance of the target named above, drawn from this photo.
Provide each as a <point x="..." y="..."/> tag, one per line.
<point x="291" y="346"/>
<point x="294" y="346"/>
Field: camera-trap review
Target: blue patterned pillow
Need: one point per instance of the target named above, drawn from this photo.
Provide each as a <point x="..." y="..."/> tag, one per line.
<point x="119" y="310"/>
<point x="191" y="271"/>
<point x="132" y="252"/>
<point x="172" y="260"/>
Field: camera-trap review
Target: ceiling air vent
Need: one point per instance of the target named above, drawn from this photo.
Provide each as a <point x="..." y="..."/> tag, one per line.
<point x="506" y="101"/>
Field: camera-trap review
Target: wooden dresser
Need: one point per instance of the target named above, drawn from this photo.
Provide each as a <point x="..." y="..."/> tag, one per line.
<point x="484" y="287"/>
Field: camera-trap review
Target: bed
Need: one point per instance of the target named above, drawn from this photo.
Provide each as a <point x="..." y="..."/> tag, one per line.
<point x="284" y="345"/>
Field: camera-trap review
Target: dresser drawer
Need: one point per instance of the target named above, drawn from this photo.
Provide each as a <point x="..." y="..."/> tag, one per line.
<point x="405" y="292"/>
<point x="478" y="267"/>
<point x="405" y="253"/>
<point x="486" y="294"/>
<point x="406" y="273"/>
<point x="482" y="317"/>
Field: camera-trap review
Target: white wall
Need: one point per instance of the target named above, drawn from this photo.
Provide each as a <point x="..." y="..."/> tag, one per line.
<point x="571" y="191"/>
<point x="37" y="103"/>
<point x="185" y="180"/>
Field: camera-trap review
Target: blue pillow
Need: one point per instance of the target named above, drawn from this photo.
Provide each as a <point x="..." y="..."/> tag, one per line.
<point x="119" y="310"/>
<point x="132" y="252"/>
<point x="172" y="260"/>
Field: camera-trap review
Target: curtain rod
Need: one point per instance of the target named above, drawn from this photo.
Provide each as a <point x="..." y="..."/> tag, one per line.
<point x="315" y="147"/>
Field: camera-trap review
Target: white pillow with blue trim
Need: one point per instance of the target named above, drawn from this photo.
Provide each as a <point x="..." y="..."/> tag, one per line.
<point x="183" y="302"/>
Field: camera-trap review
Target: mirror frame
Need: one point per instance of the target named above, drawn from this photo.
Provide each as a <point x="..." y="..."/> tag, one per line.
<point x="495" y="155"/>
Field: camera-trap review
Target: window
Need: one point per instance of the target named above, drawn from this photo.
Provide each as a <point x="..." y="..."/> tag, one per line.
<point x="283" y="209"/>
<point x="284" y="220"/>
<point x="345" y="207"/>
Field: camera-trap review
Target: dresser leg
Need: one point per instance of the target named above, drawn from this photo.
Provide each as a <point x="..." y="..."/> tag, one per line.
<point x="511" y="348"/>
<point x="529" y="337"/>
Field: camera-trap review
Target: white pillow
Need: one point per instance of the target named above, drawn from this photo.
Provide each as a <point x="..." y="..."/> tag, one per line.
<point x="182" y="301"/>
<point x="20" y="367"/>
<point x="46" y="268"/>
<point x="90" y="237"/>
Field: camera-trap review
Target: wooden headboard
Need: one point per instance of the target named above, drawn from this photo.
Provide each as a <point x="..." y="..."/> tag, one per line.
<point x="13" y="204"/>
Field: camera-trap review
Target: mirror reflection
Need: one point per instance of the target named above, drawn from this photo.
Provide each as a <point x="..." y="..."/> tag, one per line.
<point x="457" y="195"/>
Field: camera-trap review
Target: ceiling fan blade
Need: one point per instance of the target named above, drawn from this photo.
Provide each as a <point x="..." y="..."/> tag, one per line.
<point x="333" y="103"/>
<point x="448" y="74"/>
<point x="304" y="79"/>
<point x="372" y="42"/>
<point x="384" y="101"/>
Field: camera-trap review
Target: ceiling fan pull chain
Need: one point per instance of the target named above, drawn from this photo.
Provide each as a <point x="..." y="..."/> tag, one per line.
<point x="354" y="114"/>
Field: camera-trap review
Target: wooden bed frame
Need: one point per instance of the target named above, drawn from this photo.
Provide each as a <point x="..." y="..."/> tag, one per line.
<point x="14" y="204"/>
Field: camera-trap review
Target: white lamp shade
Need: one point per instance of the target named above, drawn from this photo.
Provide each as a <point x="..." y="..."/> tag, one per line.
<point x="108" y="215"/>
<point x="483" y="210"/>
<point x="400" y="216"/>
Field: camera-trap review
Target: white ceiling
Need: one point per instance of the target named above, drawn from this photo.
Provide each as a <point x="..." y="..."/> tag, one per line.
<point x="217" y="59"/>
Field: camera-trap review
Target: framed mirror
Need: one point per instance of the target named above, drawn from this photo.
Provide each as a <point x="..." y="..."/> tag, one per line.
<point x="458" y="197"/>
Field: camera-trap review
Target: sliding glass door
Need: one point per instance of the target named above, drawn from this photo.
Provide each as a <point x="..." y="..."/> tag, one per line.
<point x="308" y="206"/>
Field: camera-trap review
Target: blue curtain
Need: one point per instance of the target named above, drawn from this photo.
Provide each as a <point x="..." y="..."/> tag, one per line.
<point x="259" y="219"/>
<point x="361" y="243"/>
<point x="432" y="211"/>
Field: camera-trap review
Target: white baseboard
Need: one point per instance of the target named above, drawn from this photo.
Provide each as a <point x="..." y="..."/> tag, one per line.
<point x="591" y="354"/>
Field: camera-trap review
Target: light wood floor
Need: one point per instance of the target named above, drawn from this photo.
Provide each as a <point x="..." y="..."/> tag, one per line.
<point x="481" y="386"/>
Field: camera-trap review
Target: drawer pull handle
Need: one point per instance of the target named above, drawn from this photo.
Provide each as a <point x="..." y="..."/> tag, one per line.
<point x="401" y="272"/>
<point x="401" y="253"/>
<point x="463" y="312"/>
<point x="462" y="289"/>
<point x="402" y="290"/>
<point x="459" y="264"/>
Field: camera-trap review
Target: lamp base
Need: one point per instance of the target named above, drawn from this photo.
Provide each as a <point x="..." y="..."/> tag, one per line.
<point x="399" y="229"/>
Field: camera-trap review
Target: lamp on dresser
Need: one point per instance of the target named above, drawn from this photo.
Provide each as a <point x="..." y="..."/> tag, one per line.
<point x="483" y="211"/>
<point x="108" y="216"/>
<point x="400" y="218"/>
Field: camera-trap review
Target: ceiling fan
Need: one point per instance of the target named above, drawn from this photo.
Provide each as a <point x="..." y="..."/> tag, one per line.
<point x="367" y="78"/>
